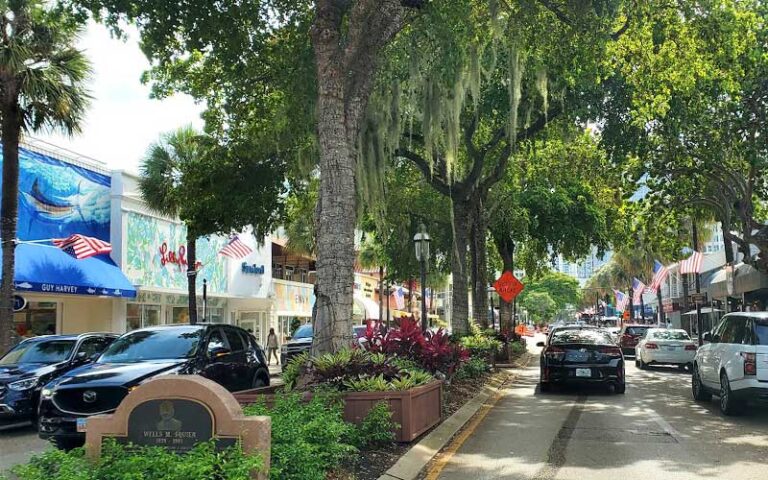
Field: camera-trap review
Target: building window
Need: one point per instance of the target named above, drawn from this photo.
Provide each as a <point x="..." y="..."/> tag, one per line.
<point x="215" y="314"/>
<point x="38" y="318"/>
<point x="140" y="316"/>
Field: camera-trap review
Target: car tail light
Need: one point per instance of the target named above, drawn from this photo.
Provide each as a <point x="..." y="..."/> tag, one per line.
<point x="651" y="346"/>
<point x="555" y="353"/>
<point x="750" y="363"/>
<point x="611" y="351"/>
<point x="691" y="346"/>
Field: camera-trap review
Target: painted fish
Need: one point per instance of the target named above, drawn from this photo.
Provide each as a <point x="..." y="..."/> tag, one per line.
<point x="91" y="291"/>
<point x="118" y="292"/>
<point x="26" y="285"/>
<point x="48" y="207"/>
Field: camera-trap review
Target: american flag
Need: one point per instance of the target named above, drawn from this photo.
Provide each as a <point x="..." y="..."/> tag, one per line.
<point x="621" y="301"/>
<point x="80" y="246"/>
<point x="693" y="263"/>
<point x="400" y="299"/>
<point x="638" y="288"/>
<point x="659" y="274"/>
<point x="235" y="248"/>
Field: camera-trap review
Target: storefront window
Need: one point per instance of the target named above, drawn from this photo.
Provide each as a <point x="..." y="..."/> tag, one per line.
<point x="254" y="323"/>
<point x="180" y="315"/>
<point x="140" y="316"/>
<point x="38" y="318"/>
<point x="215" y="314"/>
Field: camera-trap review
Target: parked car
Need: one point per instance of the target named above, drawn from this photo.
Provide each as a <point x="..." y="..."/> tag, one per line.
<point x="38" y="360"/>
<point x="733" y="364"/>
<point x="300" y="341"/>
<point x="629" y="336"/>
<point x="665" y="346"/>
<point x="559" y="328"/>
<point x="225" y="354"/>
<point x="582" y="356"/>
<point x="615" y="332"/>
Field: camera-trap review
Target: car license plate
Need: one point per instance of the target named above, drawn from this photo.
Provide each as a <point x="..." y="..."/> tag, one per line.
<point x="81" y="424"/>
<point x="584" y="372"/>
<point x="670" y="348"/>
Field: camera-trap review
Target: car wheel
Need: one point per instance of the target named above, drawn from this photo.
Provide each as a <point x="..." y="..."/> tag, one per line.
<point x="682" y="367"/>
<point x="728" y="404"/>
<point x="643" y="365"/>
<point x="700" y="393"/>
<point x="637" y="363"/>
<point x="621" y="388"/>
<point x="258" y="381"/>
<point x="67" y="443"/>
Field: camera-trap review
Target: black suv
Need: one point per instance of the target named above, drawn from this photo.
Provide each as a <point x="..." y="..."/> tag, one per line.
<point x="225" y="354"/>
<point x="36" y="361"/>
<point x="300" y="342"/>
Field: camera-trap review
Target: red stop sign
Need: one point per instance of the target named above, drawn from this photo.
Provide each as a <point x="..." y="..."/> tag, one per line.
<point x="508" y="287"/>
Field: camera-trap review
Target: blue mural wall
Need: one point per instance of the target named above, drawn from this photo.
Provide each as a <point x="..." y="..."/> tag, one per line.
<point x="58" y="199"/>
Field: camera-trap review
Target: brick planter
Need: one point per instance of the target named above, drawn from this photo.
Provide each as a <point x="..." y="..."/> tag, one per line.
<point x="415" y="410"/>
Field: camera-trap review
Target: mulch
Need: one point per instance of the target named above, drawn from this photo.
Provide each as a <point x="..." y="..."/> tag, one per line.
<point x="371" y="464"/>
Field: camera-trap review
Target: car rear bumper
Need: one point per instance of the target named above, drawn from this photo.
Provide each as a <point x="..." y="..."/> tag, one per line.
<point x="683" y="357"/>
<point x="750" y="387"/>
<point x="599" y="374"/>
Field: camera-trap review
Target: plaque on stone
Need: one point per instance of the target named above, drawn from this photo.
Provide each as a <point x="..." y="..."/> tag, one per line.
<point x="177" y="413"/>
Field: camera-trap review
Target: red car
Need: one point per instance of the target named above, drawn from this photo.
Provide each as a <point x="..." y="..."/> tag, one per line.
<point x="630" y="335"/>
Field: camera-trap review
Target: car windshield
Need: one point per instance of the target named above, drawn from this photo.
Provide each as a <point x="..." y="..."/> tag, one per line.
<point x="669" y="335"/>
<point x="304" y="331"/>
<point x="761" y="331"/>
<point x="636" y="330"/>
<point x="360" y="330"/>
<point x="585" y="337"/>
<point x="47" y="352"/>
<point x="160" y="344"/>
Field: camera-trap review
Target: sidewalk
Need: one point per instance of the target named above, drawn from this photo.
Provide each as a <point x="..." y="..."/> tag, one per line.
<point x="275" y="370"/>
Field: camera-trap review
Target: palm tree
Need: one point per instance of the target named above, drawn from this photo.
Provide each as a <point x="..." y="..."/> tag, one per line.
<point x="163" y="188"/>
<point x="42" y="86"/>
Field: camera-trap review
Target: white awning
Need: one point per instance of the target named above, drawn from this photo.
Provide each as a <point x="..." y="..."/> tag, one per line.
<point x="703" y="310"/>
<point x="370" y="307"/>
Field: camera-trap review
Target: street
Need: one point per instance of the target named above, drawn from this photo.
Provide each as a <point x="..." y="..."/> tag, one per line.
<point x="653" y="431"/>
<point x="18" y="445"/>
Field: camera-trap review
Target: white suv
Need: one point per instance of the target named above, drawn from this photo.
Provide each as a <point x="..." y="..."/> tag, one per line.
<point x="734" y="362"/>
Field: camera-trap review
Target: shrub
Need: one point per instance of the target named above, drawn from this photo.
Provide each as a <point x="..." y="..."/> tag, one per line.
<point x="517" y="347"/>
<point x="432" y="351"/>
<point x="118" y="462"/>
<point x="377" y="428"/>
<point x="293" y="368"/>
<point x="309" y="439"/>
<point x="474" y="368"/>
<point x="481" y="343"/>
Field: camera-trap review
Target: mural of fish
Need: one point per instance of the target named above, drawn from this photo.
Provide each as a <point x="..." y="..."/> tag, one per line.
<point x="51" y="208"/>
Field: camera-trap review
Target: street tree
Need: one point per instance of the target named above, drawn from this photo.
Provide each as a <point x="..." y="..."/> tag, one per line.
<point x="540" y="305"/>
<point x="331" y="52"/>
<point x="213" y="189"/>
<point x="42" y="87"/>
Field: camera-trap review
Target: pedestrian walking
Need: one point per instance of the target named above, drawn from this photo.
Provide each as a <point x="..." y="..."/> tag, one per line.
<point x="272" y="347"/>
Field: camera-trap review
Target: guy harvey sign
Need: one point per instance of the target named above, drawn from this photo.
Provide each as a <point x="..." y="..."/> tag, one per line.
<point x="178" y="257"/>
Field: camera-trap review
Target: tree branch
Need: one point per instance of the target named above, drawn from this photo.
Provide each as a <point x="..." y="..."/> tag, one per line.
<point x="555" y="9"/>
<point x="421" y="163"/>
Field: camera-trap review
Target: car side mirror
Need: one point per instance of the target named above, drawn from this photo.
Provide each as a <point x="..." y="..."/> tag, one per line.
<point x="540" y="344"/>
<point x="219" y="352"/>
<point x="707" y="337"/>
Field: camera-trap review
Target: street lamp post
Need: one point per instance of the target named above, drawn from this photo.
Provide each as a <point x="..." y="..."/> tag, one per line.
<point x="421" y="242"/>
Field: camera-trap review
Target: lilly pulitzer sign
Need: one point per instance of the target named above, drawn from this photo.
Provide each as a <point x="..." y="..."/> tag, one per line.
<point x="58" y="199"/>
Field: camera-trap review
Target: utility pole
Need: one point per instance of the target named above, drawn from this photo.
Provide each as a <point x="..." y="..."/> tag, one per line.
<point x="699" y="320"/>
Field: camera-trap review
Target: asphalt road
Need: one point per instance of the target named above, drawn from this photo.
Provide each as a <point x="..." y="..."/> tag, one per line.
<point x="654" y="431"/>
<point x="17" y="445"/>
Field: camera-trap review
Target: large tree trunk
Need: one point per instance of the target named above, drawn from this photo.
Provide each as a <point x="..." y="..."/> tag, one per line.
<point x="192" y="276"/>
<point x="11" y="130"/>
<point x="460" y="297"/>
<point x="479" y="249"/>
<point x="347" y="39"/>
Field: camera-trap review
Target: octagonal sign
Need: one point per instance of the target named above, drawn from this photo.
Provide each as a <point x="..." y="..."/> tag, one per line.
<point x="508" y="287"/>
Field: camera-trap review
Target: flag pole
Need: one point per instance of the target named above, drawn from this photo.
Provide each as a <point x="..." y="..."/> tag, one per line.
<point x="699" y="320"/>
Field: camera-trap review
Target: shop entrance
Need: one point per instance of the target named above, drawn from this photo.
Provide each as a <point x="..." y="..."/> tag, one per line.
<point x="37" y="318"/>
<point x="255" y="323"/>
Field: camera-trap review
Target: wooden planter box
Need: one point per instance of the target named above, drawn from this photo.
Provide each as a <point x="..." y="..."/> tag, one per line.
<point x="415" y="410"/>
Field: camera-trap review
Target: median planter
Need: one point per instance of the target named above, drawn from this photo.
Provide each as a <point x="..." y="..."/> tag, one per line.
<point x="415" y="410"/>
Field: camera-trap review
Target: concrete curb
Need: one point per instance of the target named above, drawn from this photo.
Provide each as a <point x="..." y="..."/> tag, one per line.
<point x="410" y="465"/>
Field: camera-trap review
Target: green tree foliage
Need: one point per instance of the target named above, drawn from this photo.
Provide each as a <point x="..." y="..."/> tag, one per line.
<point x="540" y="306"/>
<point x="561" y="288"/>
<point x="42" y="86"/>
<point x="213" y="189"/>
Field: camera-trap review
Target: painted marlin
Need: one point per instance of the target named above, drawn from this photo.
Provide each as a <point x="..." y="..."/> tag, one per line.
<point x="91" y="291"/>
<point x="48" y="206"/>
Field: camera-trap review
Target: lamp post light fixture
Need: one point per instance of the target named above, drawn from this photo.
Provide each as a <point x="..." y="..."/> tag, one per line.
<point x="421" y="243"/>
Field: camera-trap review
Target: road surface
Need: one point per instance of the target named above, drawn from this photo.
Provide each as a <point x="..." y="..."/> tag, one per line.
<point x="17" y="445"/>
<point x="654" y="431"/>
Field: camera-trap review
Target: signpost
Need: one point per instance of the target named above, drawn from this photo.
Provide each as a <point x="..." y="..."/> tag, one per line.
<point x="699" y="298"/>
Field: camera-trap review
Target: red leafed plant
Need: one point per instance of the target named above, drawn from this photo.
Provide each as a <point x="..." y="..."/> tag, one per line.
<point x="435" y="352"/>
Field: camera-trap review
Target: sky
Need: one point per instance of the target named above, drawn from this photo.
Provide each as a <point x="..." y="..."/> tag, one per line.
<point x="122" y="120"/>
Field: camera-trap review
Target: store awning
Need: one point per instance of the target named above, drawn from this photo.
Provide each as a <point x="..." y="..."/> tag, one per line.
<point x="45" y="269"/>
<point x="370" y="307"/>
<point x="703" y="310"/>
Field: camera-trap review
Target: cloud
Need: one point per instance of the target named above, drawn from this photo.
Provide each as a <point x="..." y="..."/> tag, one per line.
<point x="122" y="120"/>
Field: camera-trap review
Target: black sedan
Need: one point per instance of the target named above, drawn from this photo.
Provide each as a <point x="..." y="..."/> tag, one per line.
<point x="582" y="356"/>
<point x="225" y="354"/>
<point x="36" y="361"/>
